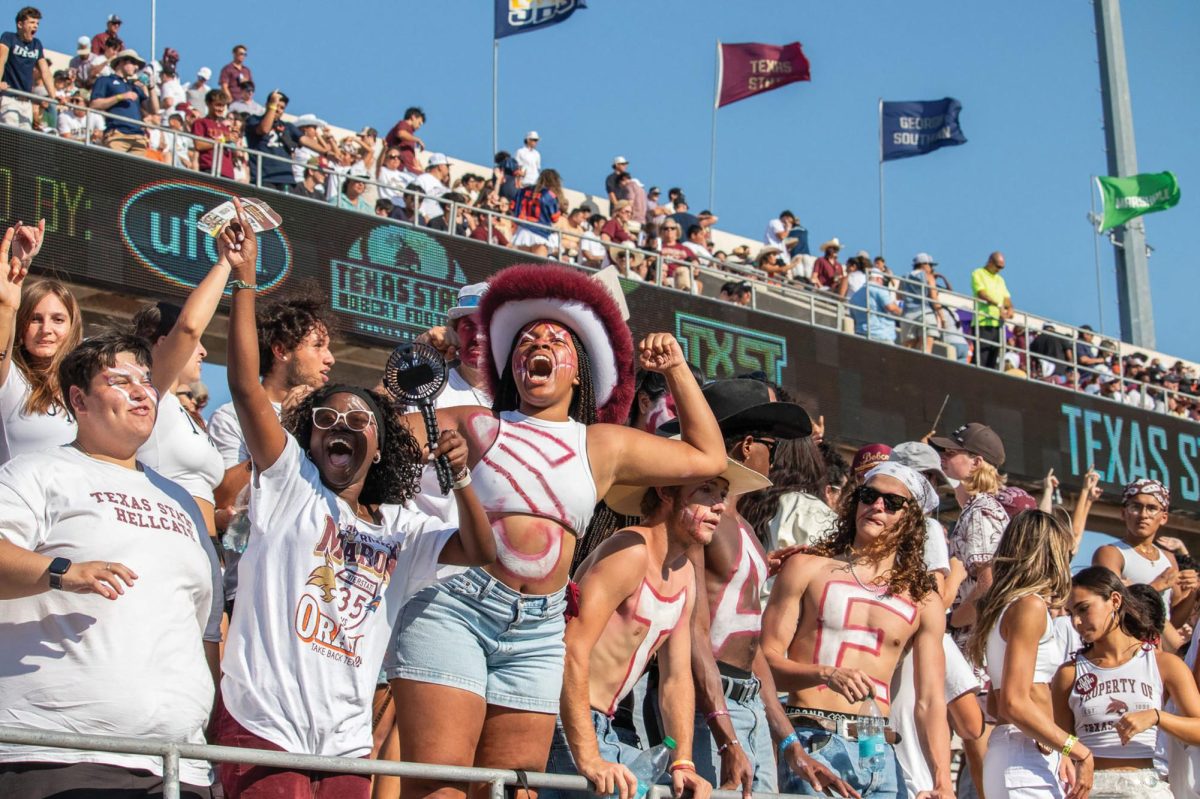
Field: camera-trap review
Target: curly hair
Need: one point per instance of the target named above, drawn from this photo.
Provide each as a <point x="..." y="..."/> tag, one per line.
<point x="286" y="323"/>
<point x="396" y="478"/>
<point x="907" y="538"/>
<point x="583" y="398"/>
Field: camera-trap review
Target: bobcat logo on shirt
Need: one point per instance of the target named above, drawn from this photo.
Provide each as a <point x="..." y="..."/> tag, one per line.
<point x="1116" y="706"/>
<point x="344" y="591"/>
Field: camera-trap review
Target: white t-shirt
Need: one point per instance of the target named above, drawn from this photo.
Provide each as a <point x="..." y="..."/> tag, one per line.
<point x="392" y="181"/>
<point x="776" y="232"/>
<point x="172" y="93"/>
<point x="181" y="451"/>
<point x="21" y="433"/>
<point x="225" y="430"/>
<point x="531" y="159"/>
<point x="302" y="155"/>
<point x="937" y="551"/>
<point x="312" y="625"/>
<point x="432" y="188"/>
<point x="132" y="667"/>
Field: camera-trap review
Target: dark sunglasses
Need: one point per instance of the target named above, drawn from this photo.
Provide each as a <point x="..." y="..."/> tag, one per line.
<point x="868" y="496"/>
<point x="393" y="155"/>
<point x="770" y="444"/>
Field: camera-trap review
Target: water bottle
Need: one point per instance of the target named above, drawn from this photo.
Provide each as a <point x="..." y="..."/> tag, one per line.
<point x="649" y="766"/>
<point x="870" y="735"/>
<point x="237" y="532"/>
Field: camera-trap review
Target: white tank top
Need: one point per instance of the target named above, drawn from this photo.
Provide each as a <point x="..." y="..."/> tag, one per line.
<point x="1140" y="569"/>
<point x="1049" y="652"/>
<point x="538" y="468"/>
<point x="1100" y="697"/>
<point x="180" y="450"/>
<point x="21" y="433"/>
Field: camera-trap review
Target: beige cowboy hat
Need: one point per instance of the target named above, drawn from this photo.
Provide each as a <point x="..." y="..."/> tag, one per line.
<point x="834" y="243"/>
<point x="627" y="499"/>
<point x="764" y="252"/>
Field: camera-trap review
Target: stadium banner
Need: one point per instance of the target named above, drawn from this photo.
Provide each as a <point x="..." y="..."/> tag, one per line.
<point x="523" y="16"/>
<point x="919" y="127"/>
<point x="747" y="69"/>
<point x="125" y="227"/>
<point x="1126" y="198"/>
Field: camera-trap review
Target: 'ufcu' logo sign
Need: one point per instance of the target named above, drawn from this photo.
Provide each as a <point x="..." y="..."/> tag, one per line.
<point x="158" y="226"/>
<point x="536" y="12"/>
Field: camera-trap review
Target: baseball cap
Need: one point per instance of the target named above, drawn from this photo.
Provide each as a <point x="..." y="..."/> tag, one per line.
<point x="923" y="458"/>
<point x="204" y="72"/>
<point x="533" y="134"/>
<point x="83" y="43"/>
<point x="868" y="457"/>
<point x="113" y="18"/>
<point x="975" y="438"/>
<point x="1014" y="500"/>
<point x="469" y="297"/>
<point x="620" y="159"/>
<point x="437" y="159"/>
<point x="924" y="258"/>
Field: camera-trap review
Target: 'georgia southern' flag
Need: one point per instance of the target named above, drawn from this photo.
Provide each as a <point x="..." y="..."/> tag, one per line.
<point x="919" y="127"/>
<point x="522" y="16"/>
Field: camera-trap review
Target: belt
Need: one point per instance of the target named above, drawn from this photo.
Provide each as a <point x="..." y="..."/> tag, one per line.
<point x="740" y="691"/>
<point x="842" y="725"/>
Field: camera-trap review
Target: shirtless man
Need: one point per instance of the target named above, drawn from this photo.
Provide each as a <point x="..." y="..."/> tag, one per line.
<point x="736" y="733"/>
<point x="838" y="621"/>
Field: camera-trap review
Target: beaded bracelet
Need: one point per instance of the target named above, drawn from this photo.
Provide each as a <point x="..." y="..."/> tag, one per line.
<point x="462" y="479"/>
<point x="682" y="765"/>
<point x="732" y="742"/>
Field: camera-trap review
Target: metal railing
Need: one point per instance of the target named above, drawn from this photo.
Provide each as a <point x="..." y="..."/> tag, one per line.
<point x="790" y="295"/>
<point x="171" y="752"/>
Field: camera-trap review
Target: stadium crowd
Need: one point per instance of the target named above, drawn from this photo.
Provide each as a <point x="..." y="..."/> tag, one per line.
<point x="522" y="205"/>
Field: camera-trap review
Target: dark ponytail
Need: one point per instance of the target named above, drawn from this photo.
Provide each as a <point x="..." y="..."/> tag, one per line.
<point x="1142" y="614"/>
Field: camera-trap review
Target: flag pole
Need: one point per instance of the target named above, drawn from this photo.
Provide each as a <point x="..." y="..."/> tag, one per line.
<point x="495" y="87"/>
<point x="881" y="250"/>
<point x="1096" y="252"/>
<point x="712" y="160"/>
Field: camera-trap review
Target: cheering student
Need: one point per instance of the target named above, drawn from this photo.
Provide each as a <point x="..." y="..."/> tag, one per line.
<point x="479" y="657"/>
<point x="1028" y="754"/>
<point x="38" y="327"/>
<point x="1112" y="693"/>
<point x="332" y="559"/>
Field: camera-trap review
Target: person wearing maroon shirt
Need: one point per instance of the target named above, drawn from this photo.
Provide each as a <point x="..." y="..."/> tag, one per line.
<point x="672" y="250"/>
<point x="110" y="31"/>
<point x="214" y="128"/>
<point x="614" y="230"/>
<point x="234" y="74"/>
<point x="403" y="136"/>
<point x="828" y="273"/>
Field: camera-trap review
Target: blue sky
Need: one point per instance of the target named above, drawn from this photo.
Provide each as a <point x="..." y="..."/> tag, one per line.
<point x="636" y="79"/>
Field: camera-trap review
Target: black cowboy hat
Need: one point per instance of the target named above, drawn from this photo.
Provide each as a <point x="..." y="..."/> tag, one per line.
<point x="744" y="405"/>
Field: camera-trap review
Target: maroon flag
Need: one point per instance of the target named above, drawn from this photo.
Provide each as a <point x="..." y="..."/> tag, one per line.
<point x="749" y="69"/>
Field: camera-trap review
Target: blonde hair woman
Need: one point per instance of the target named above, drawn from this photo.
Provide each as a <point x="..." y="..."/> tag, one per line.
<point x="1028" y="755"/>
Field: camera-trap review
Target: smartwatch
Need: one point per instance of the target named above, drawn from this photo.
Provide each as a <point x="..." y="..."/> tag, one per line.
<point x="58" y="567"/>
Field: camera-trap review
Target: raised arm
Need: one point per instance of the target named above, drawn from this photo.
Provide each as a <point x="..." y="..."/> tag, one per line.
<point x="194" y="317"/>
<point x="17" y="250"/>
<point x="265" y="436"/>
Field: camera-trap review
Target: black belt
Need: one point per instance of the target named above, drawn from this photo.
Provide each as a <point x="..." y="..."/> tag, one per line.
<point x="740" y="691"/>
<point x="844" y="725"/>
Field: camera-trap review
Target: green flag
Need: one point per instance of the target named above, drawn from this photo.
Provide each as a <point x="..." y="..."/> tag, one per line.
<point x="1125" y="198"/>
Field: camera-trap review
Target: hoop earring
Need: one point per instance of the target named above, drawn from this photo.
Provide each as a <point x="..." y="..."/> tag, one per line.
<point x="377" y="458"/>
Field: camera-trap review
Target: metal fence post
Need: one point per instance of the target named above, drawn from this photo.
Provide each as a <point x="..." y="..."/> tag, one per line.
<point x="171" y="772"/>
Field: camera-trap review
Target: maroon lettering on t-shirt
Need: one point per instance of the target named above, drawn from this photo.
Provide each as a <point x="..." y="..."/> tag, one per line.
<point x="140" y="512"/>
<point x="345" y="544"/>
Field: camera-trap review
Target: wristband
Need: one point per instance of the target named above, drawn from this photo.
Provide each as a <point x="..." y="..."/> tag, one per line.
<point x="462" y="479"/>
<point x="788" y="741"/>
<point x="241" y="284"/>
<point x="682" y="765"/>
<point x="715" y="714"/>
<point x="1157" y="717"/>
<point x="1066" y="750"/>
<point x="733" y="742"/>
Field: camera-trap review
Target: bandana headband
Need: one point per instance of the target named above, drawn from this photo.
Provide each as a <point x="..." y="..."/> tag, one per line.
<point x="1150" y="487"/>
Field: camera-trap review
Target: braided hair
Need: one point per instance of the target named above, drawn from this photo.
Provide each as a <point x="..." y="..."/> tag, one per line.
<point x="583" y="399"/>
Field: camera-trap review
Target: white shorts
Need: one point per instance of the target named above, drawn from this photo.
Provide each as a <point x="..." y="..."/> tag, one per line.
<point x="527" y="238"/>
<point x="16" y="112"/>
<point x="1143" y="783"/>
<point x="1015" y="767"/>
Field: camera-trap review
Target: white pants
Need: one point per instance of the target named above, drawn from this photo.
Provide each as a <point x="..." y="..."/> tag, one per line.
<point x="1143" y="783"/>
<point x="1015" y="767"/>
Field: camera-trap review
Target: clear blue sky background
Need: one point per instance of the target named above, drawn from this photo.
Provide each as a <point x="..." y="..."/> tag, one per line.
<point x="636" y="79"/>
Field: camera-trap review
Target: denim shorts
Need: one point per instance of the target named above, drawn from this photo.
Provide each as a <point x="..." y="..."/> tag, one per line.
<point x="617" y="745"/>
<point x="749" y="720"/>
<point x="841" y="756"/>
<point x="473" y="632"/>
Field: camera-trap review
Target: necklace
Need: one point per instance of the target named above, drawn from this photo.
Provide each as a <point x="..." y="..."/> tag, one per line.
<point x="861" y="584"/>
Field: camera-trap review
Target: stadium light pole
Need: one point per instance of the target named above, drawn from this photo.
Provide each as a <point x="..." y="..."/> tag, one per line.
<point x="1129" y="246"/>
<point x="153" y="28"/>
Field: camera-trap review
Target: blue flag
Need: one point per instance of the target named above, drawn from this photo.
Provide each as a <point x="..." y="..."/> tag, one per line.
<point x="920" y="127"/>
<point x="522" y="16"/>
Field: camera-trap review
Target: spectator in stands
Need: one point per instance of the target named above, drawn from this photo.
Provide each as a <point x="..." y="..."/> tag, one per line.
<point x="653" y="210"/>
<point x="313" y="185"/>
<point x="234" y="74"/>
<point x="179" y="146"/>
<point x="616" y="231"/>
<point x="22" y="63"/>
<point x="80" y="65"/>
<point x="778" y="230"/>
<point x="327" y="493"/>
<point x="509" y="175"/>
<point x="247" y="104"/>
<point x="682" y="216"/>
<point x="73" y="120"/>
<point x="828" y="273"/>
<point x="351" y="196"/>
<point x="635" y="191"/>
<point x="197" y="89"/>
<point x="456" y="217"/>
<point x="269" y="133"/>
<point x="1056" y="352"/>
<point x="538" y="209"/>
<point x="433" y="182"/>
<point x="237" y="139"/>
<point x="102" y="64"/>
<point x="993" y="306"/>
<point x="135" y="663"/>
<point x="303" y="156"/>
<point x="739" y="292"/>
<point x="769" y="262"/>
<point x="697" y="243"/>
<point x="572" y="225"/>
<point x="921" y="306"/>
<point x="170" y="90"/>
<point x="213" y="128"/>
<point x="124" y="96"/>
<point x="592" y="251"/>
<point x="112" y="30"/>
<point x="384" y="208"/>
<point x="529" y="157"/>
<point x="489" y="227"/>
<point x="403" y="136"/>
<point x="676" y="258"/>
<point x="620" y="167"/>
<point x="1087" y="354"/>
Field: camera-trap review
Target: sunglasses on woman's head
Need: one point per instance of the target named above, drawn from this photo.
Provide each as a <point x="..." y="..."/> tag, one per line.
<point x="868" y="496"/>
<point x="356" y="420"/>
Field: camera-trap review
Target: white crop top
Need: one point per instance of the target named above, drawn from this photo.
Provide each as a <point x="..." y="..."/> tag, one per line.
<point x="538" y="468"/>
<point x="1140" y="569"/>
<point x="1100" y="697"/>
<point x="1049" y="652"/>
<point x="180" y="450"/>
<point x="21" y="433"/>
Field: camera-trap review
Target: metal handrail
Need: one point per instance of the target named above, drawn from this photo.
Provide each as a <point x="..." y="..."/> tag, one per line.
<point x="172" y="751"/>
<point x="798" y="294"/>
